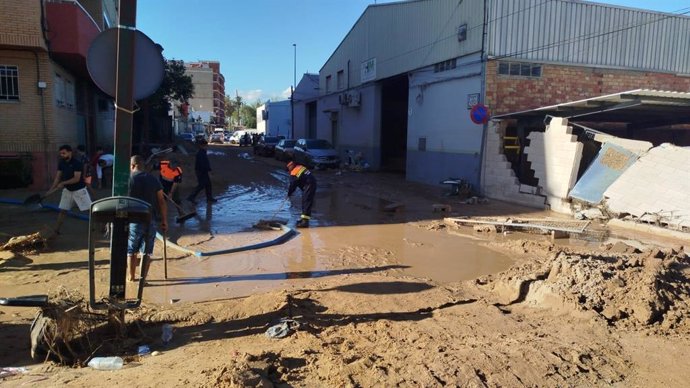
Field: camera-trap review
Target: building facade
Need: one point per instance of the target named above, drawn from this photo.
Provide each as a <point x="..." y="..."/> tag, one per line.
<point x="274" y="119"/>
<point x="401" y="85"/>
<point x="209" y="90"/>
<point x="46" y="95"/>
<point x="304" y="101"/>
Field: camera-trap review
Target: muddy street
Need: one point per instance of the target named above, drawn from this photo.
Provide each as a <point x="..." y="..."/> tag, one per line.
<point x="382" y="291"/>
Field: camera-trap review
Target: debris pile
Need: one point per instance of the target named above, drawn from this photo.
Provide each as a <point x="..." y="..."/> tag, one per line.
<point x="633" y="290"/>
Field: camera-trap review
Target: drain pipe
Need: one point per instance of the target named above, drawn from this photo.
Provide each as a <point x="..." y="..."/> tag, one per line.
<point x="41" y="93"/>
<point x="485" y="127"/>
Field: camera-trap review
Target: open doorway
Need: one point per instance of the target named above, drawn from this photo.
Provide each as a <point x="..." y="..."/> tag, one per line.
<point x="311" y="120"/>
<point x="394" y="93"/>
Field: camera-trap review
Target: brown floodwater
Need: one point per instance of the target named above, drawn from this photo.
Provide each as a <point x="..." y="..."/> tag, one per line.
<point x="322" y="252"/>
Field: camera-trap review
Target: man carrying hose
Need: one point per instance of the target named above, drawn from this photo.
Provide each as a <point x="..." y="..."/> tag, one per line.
<point x="301" y="177"/>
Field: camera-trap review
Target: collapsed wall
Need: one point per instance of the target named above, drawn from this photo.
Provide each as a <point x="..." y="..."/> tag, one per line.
<point x="656" y="188"/>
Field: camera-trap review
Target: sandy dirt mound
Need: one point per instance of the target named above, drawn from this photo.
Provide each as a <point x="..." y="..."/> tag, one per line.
<point x="645" y="290"/>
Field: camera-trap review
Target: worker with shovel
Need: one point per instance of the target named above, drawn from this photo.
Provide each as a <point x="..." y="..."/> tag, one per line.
<point x="301" y="177"/>
<point x="147" y="188"/>
<point x="170" y="178"/>
<point x="69" y="178"/>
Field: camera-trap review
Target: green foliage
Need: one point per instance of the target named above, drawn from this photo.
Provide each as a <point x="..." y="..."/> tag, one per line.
<point x="176" y="86"/>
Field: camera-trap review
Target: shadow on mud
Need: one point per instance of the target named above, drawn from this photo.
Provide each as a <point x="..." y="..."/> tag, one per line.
<point x="310" y="313"/>
<point x="273" y="276"/>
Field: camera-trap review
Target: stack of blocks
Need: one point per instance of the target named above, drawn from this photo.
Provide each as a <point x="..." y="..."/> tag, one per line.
<point x="499" y="180"/>
<point x="555" y="158"/>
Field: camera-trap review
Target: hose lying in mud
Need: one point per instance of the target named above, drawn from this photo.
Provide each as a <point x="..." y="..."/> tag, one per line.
<point x="79" y="216"/>
<point x="287" y="233"/>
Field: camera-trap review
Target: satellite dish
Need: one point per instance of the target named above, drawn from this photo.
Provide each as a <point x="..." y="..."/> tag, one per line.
<point x="149" y="66"/>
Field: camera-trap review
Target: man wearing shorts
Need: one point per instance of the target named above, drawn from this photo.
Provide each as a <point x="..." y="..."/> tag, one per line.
<point x="69" y="178"/>
<point x="147" y="188"/>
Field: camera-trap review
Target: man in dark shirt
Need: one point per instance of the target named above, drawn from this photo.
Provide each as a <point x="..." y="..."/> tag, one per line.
<point x="147" y="188"/>
<point x="202" y="168"/>
<point x="69" y="178"/>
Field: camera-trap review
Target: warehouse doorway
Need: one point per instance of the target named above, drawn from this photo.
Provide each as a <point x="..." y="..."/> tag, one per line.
<point x="394" y="93"/>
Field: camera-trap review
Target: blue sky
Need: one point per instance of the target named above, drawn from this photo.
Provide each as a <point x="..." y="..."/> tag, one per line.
<point x="253" y="39"/>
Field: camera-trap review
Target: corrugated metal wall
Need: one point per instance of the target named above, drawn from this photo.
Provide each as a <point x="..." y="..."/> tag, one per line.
<point x="404" y="37"/>
<point x="563" y="31"/>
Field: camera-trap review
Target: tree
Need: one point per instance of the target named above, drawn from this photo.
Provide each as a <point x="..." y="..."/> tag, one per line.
<point x="229" y="108"/>
<point x="249" y="116"/>
<point x="151" y="118"/>
<point x="176" y="86"/>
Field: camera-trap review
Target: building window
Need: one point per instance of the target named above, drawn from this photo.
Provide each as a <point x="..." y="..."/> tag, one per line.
<point x="328" y="84"/>
<point x="9" y="83"/>
<point x="341" y="80"/>
<point x="519" y="69"/>
<point x="445" y="65"/>
<point x="64" y="92"/>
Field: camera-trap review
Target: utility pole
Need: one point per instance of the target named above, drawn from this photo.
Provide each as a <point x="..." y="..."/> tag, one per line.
<point x="124" y="96"/>
<point x="238" y="102"/>
<point x="292" y="92"/>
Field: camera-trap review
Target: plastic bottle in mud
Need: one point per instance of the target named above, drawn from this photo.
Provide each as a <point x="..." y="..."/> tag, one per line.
<point x="167" y="333"/>
<point x="106" y="363"/>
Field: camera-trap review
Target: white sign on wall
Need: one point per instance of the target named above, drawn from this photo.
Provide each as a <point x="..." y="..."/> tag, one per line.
<point x="368" y="71"/>
<point x="472" y="100"/>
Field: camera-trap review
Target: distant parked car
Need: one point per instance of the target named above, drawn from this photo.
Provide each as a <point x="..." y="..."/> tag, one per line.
<point x="226" y="136"/>
<point x="217" y="137"/>
<point x="186" y="136"/>
<point x="266" y="146"/>
<point x="316" y="153"/>
<point x="284" y="149"/>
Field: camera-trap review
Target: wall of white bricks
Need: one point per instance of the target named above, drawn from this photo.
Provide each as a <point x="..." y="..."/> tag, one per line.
<point x="555" y="158"/>
<point x="498" y="179"/>
<point x="658" y="183"/>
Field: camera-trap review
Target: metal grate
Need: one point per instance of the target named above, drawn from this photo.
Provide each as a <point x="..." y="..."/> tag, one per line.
<point x="572" y="226"/>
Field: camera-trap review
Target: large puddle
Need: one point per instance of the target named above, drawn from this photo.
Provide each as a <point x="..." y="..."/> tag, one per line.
<point x="321" y="252"/>
<point x="350" y="234"/>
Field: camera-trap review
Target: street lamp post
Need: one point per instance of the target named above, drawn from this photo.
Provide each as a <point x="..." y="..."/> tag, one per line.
<point x="292" y="92"/>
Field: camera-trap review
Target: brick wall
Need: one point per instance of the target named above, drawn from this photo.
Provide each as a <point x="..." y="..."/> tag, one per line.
<point x="34" y="124"/>
<point x="560" y="83"/>
<point x="20" y="24"/>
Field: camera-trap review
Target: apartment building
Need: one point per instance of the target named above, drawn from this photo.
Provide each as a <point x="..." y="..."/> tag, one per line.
<point x="46" y="95"/>
<point x="209" y="91"/>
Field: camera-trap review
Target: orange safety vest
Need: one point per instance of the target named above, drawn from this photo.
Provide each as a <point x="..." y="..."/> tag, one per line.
<point x="296" y="170"/>
<point x="168" y="173"/>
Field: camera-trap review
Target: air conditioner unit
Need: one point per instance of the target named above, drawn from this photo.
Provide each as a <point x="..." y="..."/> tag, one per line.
<point x="354" y="99"/>
<point x="343" y="99"/>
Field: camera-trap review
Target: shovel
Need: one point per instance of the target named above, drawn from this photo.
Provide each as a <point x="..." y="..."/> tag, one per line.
<point x="38" y="198"/>
<point x="271" y="223"/>
<point x="182" y="217"/>
<point x="165" y="256"/>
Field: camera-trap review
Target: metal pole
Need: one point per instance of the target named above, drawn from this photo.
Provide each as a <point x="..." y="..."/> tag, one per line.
<point x="124" y="103"/>
<point x="124" y="95"/>
<point x="292" y="92"/>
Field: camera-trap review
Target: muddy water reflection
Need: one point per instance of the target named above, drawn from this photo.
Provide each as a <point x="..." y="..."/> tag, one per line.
<point x="324" y="252"/>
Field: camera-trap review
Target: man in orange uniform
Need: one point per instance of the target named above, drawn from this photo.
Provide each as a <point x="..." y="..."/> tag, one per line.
<point x="301" y="177"/>
<point x="170" y="178"/>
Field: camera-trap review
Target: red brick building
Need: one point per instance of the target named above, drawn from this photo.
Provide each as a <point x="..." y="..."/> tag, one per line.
<point x="47" y="97"/>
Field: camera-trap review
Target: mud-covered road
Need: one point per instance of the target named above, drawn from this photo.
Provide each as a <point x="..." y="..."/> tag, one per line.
<point x="384" y="294"/>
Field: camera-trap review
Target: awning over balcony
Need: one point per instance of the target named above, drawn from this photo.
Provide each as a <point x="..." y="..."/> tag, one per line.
<point x="70" y="33"/>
